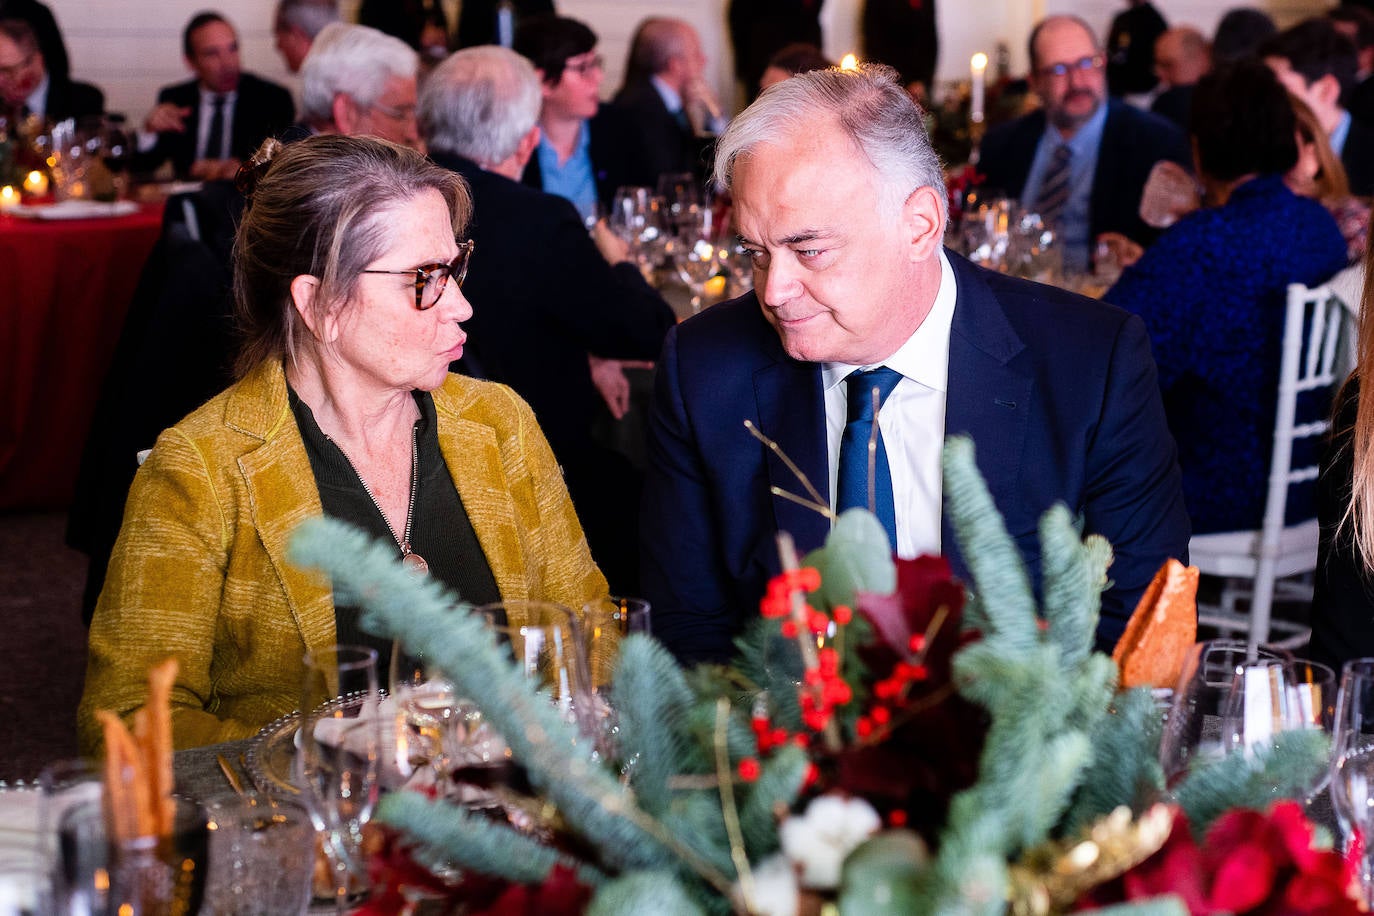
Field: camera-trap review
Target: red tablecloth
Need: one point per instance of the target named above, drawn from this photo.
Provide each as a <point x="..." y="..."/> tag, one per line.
<point x="65" y="288"/>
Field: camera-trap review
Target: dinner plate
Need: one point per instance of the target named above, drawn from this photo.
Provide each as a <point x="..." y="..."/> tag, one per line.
<point x="271" y="755"/>
<point x="77" y="209"/>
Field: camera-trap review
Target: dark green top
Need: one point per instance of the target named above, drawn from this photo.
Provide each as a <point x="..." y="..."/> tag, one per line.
<point x="440" y="531"/>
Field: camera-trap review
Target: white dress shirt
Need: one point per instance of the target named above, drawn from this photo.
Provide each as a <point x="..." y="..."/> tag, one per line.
<point x="912" y="422"/>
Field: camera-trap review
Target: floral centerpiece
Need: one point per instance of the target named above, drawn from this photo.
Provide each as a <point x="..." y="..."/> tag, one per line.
<point x="887" y="740"/>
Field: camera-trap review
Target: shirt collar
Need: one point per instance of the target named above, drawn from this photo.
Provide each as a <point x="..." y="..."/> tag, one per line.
<point x="207" y="98"/>
<point x="1341" y="133"/>
<point x="671" y="100"/>
<point x="1088" y="137"/>
<point x="38" y="99"/>
<point x="924" y="358"/>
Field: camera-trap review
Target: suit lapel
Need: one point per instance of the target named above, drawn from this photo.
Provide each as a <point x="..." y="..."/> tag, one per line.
<point x="791" y="409"/>
<point x="989" y="398"/>
<point x="473" y="456"/>
<point x="281" y="495"/>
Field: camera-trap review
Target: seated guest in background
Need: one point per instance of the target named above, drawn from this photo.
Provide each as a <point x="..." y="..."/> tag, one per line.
<point x="347" y="276"/>
<point x="44" y="26"/>
<point x="27" y="87"/>
<point x="840" y="200"/>
<point x="1343" y="602"/>
<point x="1081" y="161"/>
<point x="1357" y="24"/>
<point x="585" y="152"/>
<point x="1182" y="55"/>
<point x="1319" y="174"/>
<point x="1317" y="64"/>
<point x="1212" y="292"/>
<point x="207" y="125"/>
<point x="791" y="60"/>
<point x="1131" y="48"/>
<point x="295" y="25"/>
<point x="533" y="329"/>
<point x="664" y="89"/>
<point x="1239" y="35"/>
<point x="359" y="82"/>
<point x="422" y="24"/>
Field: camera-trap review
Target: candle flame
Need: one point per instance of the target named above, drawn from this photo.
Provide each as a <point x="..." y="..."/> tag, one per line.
<point x="979" y="61"/>
<point x="849" y="62"/>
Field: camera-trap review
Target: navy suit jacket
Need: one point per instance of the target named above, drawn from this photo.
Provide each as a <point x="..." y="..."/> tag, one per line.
<point x="1132" y="142"/>
<point x="663" y="144"/>
<point x="263" y="110"/>
<point x="1058" y="392"/>
<point x="1358" y="158"/>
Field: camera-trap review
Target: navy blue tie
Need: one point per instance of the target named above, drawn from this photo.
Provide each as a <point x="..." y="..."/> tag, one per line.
<point x="852" y="486"/>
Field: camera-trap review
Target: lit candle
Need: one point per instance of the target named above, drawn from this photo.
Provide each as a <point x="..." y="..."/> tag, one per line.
<point x="36" y="183"/>
<point x="849" y="62"/>
<point x="979" y="67"/>
<point x="9" y="197"/>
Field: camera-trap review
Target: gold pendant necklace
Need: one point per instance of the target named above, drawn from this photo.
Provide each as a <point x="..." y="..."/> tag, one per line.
<point x="409" y="558"/>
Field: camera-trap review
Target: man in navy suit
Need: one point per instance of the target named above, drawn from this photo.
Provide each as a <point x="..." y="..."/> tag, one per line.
<point x="840" y="200"/>
<point x="207" y="125"/>
<point x="1110" y="147"/>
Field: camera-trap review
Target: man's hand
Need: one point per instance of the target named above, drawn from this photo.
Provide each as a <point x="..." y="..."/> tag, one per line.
<point x="612" y="247"/>
<point x="167" y="118"/>
<point x="609" y="377"/>
<point x="215" y="169"/>
<point x="1119" y="248"/>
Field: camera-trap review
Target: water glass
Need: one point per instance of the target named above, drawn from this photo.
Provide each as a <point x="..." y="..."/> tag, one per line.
<point x="262" y="856"/>
<point x="336" y="767"/>
<point x="73" y="844"/>
<point x="427" y="710"/>
<point x="608" y="621"/>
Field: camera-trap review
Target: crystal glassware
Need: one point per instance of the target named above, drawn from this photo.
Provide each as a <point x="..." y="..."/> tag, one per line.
<point x="1352" y="765"/>
<point x="262" y="855"/>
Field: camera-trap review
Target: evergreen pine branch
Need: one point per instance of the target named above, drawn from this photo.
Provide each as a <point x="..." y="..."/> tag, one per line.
<point x="1286" y="770"/>
<point x="775" y="665"/>
<point x="993" y="560"/>
<point x="420" y="613"/>
<point x="658" y="892"/>
<point x="651" y="699"/>
<point x="1072" y="585"/>
<point x="1125" y="767"/>
<point x="777" y="788"/>
<point x="449" y="833"/>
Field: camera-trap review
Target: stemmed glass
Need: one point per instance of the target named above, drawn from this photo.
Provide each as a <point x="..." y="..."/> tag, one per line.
<point x="682" y="198"/>
<point x="426" y="713"/>
<point x="1352" y="764"/>
<point x="336" y="768"/>
<point x="695" y="256"/>
<point x="637" y="217"/>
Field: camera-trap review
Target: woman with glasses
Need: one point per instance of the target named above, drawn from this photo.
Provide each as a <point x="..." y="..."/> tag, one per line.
<point x="347" y="275"/>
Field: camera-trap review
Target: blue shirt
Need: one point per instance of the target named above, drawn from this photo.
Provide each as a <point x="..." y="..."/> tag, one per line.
<point x="574" y="179"/>
<point x="1074" y="222"/>
<point x="1212" y="291"/>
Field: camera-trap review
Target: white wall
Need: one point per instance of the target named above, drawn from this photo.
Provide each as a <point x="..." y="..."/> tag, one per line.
<point x="131" y="47"/>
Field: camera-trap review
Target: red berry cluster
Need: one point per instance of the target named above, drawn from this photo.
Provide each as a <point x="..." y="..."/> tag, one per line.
<point x="890" y="693"/>
<point x="777" y="601"/>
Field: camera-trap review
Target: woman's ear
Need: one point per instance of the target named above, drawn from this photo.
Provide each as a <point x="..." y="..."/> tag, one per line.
<point x="323" y="323"/>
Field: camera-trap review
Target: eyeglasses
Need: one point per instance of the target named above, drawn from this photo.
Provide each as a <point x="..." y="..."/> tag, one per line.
<point x="399" y="113"/>
<point x="596" y="62"/>
<point x="432" y="279"/>
<point x="1082" y="65"/>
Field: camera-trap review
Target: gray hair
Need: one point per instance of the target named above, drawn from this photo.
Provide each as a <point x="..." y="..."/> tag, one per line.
<point x="355" y="60"/>
<point x="310" y="16"/>
<point x="656" y="42"/>
<point x="479" y="103"/>
<point x="870" y="106"/>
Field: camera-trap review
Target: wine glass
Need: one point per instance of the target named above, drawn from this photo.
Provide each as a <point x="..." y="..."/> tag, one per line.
<point x="1209" y="716"/>
<point x="426" y="709"/>
<point x="696" y="261"/>
<point x="637" y="217"/>
<point x="683" y="198"/>
<point x="608" y="621"/>
<point x="1352" y="764"/>
<point x="336" y="767"/>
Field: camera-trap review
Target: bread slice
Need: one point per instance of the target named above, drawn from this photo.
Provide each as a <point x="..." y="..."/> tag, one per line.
<point x="1163" y="628"/>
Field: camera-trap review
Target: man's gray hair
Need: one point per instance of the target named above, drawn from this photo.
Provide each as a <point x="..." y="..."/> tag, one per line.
<point x="870" y="106"/>
<point x="479" y="103"/>
<point x="355" y="60"/>
<point x="310" y="16"/>
<point x="656" y="42"/>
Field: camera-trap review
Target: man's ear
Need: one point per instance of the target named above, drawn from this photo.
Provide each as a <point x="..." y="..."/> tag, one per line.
<point x="322" y="323"/>
<point x="923" y="222"/>
<point x="546" y="88"/>
<point x="1327" y="89"/>
<point x="345" y="113"/>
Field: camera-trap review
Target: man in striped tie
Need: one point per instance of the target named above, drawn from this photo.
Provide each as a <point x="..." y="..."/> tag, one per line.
<point x="1081" y="161"/>
<point x="863" y="344"/>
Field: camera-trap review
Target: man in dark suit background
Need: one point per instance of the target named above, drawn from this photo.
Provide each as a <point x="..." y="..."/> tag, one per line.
<point x="208" y="125"/>
<point x="844" y="221"/>
<point x="1315" y="62"/>
<point x="44" y="26"/>
<point x="665" y="96"/>
<point x="533" y="327"/>
<point x="29" y="87"/>
<point x="1107" y="147"/>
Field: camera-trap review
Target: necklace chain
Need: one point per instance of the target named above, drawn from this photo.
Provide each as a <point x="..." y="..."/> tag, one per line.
<point x="403" y="542"/>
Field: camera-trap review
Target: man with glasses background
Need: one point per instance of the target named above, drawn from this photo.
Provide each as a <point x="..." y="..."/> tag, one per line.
<point x="1082" y="160"/>
<point x="358" y="81"/>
